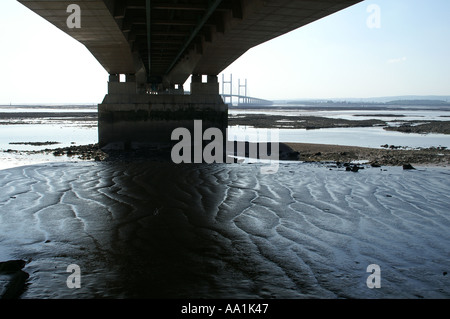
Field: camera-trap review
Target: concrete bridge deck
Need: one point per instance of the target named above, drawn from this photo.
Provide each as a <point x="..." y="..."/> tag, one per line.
<point x="170" y="40"/>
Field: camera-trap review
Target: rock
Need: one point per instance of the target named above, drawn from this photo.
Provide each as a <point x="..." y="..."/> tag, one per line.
<point x="407" y="167"/>
<point x="355" y="169"/>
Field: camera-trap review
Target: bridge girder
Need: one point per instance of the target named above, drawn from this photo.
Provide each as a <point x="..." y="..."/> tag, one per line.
<point x="166" y="41"/>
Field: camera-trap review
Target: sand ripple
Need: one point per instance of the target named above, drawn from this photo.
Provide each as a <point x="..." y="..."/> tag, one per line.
<point x="151" y="229"/>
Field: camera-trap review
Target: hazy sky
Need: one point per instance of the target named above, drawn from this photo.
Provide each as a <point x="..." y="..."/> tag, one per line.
<point x="405" y="50"/>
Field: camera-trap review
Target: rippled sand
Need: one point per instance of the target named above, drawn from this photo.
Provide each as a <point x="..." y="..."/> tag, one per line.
<point x="153" y="229"/>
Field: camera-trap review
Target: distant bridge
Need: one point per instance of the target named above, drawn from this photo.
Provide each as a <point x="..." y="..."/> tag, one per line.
<point x="242" y="98"/>
<point x="245" y="100"/>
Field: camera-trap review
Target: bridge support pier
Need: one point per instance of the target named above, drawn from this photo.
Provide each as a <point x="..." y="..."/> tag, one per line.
<point x="128" y="118"/>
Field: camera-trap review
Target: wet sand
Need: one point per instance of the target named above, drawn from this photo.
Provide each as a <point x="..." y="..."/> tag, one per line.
<point x="142" y="228"/>
<point x="147" y="229"/>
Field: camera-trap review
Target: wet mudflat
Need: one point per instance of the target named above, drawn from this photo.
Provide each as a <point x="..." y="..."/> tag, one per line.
<point x="152" y="229"/>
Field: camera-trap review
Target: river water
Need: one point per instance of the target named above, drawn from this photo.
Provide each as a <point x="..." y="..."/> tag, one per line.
<point x="68" y="133"/>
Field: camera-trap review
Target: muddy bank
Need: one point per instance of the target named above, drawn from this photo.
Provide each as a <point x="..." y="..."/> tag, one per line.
<point x="390" y="155"/>
<point x="300" y="122"/>
<point x="82" y="152"/>
<point x="35" y="143"/>
<point x="438" y="127"/>
<point x="315" y="122"/>
<point x="12" y="118"/>
<point x="395" y="156"/>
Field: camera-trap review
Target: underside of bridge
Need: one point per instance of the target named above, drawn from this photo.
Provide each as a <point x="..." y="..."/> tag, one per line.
<point x="158" y="44"/>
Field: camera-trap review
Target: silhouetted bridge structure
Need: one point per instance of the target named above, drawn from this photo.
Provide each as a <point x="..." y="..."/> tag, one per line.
<point x="159" y="44"/>
<point x="242" y="98"/>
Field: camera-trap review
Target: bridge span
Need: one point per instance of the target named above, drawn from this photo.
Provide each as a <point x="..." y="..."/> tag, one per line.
<point x="159" y="44"/>
<point x="243" y="100"/>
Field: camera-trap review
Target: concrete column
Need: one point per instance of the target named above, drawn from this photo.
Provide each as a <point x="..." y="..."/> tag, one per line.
<point x="212" y="79"/>
<point x="181" y="88"/>
<point x="128" y="119"/>
<point x="130" y="78"/>
<point x="196" y="78"/>
<point x="117" y="87"/>
<point x="113" y="78"/>
<point x="211" y="87"/>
